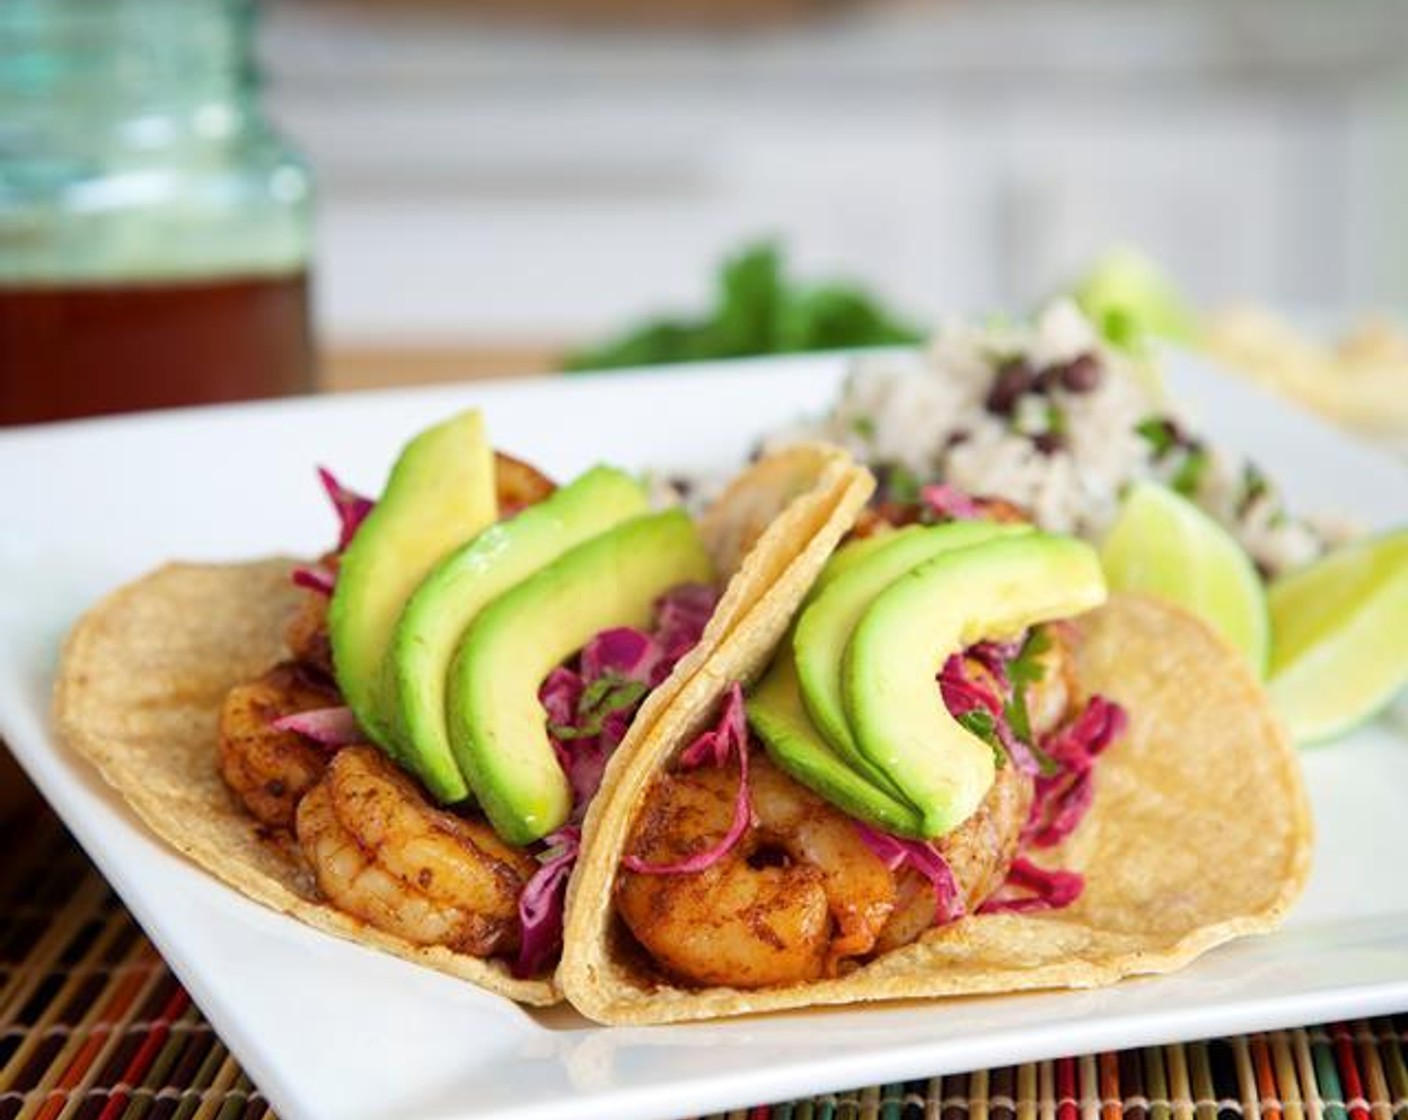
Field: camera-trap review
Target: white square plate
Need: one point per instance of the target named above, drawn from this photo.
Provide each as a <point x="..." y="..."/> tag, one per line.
<point x="329" y="1029"/>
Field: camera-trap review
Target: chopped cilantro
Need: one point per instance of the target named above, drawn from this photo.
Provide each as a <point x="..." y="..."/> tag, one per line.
<point x="608" y="694"/>
<point x="1160" y="433"/>
<point x="1023" y="670"/>
<point x="1189" y="476"/>
<point x="981" y="723"/>
<point x="900" y="485"/>
<point x="864" y="426"/>
<point x="1255" y="487"/>
<point x="1055" y="419"/>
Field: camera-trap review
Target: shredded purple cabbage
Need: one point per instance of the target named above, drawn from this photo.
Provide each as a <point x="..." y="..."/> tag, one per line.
<point x="332" y="727"/>
<point x="896" y="852"/>
<point x="1063" y="798"/>
<point x="1044" y="889"/>
<point x="948" y="503"/>
<point x="315" y="577"/>
<point x="352" y="508"/>
<point x="544" y="898"/>
<point x="714" y="747"/>
<point x="590" y="704"/>
<point x="963" y="694"/>
<point x="1062" y="766"/>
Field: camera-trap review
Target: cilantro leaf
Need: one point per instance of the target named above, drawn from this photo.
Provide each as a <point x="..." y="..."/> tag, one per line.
<point x="608" y="694"/>
<point x="1023" y="670"/>
<point x="981" y="723"/>
<point x="1160" y="434"/>
<point x="1189" y="477"/>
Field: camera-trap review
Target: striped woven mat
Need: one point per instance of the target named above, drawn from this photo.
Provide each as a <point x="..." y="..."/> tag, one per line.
<point x="94" y="1026"/>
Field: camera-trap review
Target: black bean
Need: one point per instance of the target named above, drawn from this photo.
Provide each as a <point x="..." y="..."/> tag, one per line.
<point x="1048" y="443"/>
<point x="1081" y="374"/>
<point x="1013" y="379"/>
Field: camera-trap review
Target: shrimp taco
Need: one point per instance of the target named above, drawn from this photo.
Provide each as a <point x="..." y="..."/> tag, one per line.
<point x="399" y="742"/>
<point x="963" y="769"/>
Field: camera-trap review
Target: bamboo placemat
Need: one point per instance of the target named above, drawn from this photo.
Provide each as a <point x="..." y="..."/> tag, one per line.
<point x="93" y="1026"/>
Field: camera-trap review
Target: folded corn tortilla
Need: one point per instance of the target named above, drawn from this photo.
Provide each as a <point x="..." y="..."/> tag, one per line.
<point x="144" y="674"/>
<point x="1200" y="832"/>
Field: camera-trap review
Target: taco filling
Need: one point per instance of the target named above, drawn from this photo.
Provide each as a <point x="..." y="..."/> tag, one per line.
<point x="463" y="666"/>
<point x="773" y="852"/>
<point x="379" y="844"/>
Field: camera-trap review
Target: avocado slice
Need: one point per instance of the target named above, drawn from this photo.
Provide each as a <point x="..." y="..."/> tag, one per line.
<point x="498" y="729"/>
<point x="900" y="644"/>
<point x="461" y="585"/>
<point x="825" y="627"/>
<point x="440" y="493"/>
<point x="776" y="714"/>
<point x="852" y="553"/>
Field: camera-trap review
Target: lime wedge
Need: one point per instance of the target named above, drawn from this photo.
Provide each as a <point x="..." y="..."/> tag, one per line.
<point x="1164" y="545"/>
<point x="1340" y="637"/>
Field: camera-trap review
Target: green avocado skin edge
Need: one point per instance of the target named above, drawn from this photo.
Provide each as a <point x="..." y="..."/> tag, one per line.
<point x="461" y="586"/>
<point x="943" y="606"/>
<point x="497" y="726"/>
<point x="825" y="627"/>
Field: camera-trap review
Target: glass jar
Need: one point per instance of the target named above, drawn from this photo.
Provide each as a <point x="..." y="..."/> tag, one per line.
<point x="154" y="229"/>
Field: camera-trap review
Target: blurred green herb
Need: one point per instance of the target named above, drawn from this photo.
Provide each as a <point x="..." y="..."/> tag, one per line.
<point x="758" y="311"/>
<point x="1160" y="434"/>
<point x="1024" y="670"/>
<point x="1188" y="479"/>
<point x="981" y="723"/>
<point x="898" y="484"/>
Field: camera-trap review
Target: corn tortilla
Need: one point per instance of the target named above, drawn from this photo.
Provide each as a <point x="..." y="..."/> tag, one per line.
<point x="144" y="674"/>
<point x="1200" y="832"/>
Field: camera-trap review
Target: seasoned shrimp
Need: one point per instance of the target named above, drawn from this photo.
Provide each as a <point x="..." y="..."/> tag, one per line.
<point x="382" y="853"/>
<point x="978" y="852"/>
<point x="270" y="770"/>
<point x="307" y="633"/>
<point x="518" y="484"/>
<point x="797" y="895"/>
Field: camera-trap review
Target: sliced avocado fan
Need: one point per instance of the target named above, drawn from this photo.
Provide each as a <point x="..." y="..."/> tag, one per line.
<point x="463" y="584"/>
<point x="940" y="608"/>
<point x="498" y="728"/>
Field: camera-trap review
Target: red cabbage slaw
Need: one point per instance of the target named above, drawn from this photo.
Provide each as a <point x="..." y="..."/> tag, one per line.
<point x="1062" y="765"/>
<point x="1048" y="889"/>
<point x="330" y="727"/>
<point x="351" y="509"/>
<point x="1062" y="798"/>
<point x="922" y="855"/>
<point x="543" y="901"/>
<point x="945" y="502"/>
<point x="590" y="704"/>
<point x="715" y="747"/>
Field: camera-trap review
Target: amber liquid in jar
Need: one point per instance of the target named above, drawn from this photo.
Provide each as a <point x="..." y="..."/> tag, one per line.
<point x="84" y="349"/>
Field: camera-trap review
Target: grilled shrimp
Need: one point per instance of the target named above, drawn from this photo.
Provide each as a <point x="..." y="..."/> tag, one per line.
<point x="978" y="852"/>
<point x="270" y="770"/>
<point x="797" y="895"/>
<point x="382" y="853"/>
<point x="307" y="633"/>
<point x="518" y="484"/>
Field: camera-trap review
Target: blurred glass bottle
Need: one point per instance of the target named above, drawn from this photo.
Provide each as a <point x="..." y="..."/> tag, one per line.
<point x="154" y="229"/>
